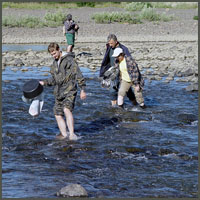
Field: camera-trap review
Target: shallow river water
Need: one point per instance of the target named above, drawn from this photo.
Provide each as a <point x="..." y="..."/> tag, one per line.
<point x="121" y="153"/>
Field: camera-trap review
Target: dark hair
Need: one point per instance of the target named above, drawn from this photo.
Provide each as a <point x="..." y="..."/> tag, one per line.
<point x="112" y="36"/>
<point x="53" y="46"/>
<point x="122" y="54"/>
<point x="69" y="17"/>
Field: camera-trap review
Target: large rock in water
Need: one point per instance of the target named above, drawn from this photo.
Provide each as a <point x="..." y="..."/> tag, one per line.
<point x="72" y="190"/>
<point x="192" y="87"/>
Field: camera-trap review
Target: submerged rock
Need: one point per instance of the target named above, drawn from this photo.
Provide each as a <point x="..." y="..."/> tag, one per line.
<point x="72" y="190"/>
<point x="187" y="118"/>
<point x="192" y="87"/>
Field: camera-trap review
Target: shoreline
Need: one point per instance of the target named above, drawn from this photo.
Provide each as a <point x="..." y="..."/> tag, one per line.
<point x="136" y="38"/>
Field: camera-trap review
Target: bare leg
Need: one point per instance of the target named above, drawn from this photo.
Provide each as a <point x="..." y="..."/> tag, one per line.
<point x="70" y="123"/>
<point x="62" y="126"/>
<point x="69" y="48"/>
<point x="113" y="103"/>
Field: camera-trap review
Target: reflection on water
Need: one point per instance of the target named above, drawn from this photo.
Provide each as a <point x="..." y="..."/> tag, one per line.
<point x="130" y="153"/>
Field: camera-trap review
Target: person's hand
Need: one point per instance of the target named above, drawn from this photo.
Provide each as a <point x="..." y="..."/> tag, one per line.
<point x="41" y="82"/>
<point x="82" y="95"/>
<point x="137" y="88"/>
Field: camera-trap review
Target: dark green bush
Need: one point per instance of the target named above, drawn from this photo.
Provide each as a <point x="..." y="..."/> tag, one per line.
<point x="85" y="4"/>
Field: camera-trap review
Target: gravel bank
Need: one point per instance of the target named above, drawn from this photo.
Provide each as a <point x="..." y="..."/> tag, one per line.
<point x="184" y="28"/>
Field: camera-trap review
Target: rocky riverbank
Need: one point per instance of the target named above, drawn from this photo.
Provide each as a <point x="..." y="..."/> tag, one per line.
<point x="163" y="61"/>
<point x="164" y="51"/>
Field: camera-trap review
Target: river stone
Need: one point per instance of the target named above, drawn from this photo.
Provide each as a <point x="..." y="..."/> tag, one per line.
<point x="166" y="151"/>
<point x="134" y="150"/>
<point x="72" y="190"/>
<point x="192" y="87"/>
<point x="4" y="60"/>
<point x="18" y="62"/>
<point x="186" y="118"/>
<point x="169" y="78"/>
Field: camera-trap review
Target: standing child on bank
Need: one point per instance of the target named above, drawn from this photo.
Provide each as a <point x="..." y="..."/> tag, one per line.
<point x="69" y="30"/>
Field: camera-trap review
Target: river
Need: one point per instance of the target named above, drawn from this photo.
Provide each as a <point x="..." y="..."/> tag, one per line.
<point x="122" y="153"/>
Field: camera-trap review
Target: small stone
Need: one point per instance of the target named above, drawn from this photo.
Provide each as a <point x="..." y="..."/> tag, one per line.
<point x="73" y="190"/>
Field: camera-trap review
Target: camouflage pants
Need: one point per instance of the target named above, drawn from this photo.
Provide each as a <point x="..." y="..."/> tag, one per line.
<point x="67" y="102"/>
<point x="125" y="86"/>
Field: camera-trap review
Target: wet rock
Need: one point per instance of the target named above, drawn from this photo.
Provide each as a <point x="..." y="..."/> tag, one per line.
<point x="4" y="60"/>
<point x="158" y="78"/>
<point x="192" y="87"/>
<point x="169" y="78"/>
<point x="166" y="152"/>
<point x="6" y="81"/>
<point x="187" y="72"/>
<point x="187" y="118"/>
<point x="24" y="70"/>
<point x="18" y="62"/>
<point x="89" y="60"/>
<point x="9" y="59"/>
<point x="134" y="150"/>
<point x="72" y="190"/>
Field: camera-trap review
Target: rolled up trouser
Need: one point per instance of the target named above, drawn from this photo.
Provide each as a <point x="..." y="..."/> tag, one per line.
<point x="125" y="86"/>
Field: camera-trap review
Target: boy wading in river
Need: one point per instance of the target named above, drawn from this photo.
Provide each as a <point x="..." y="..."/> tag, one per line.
<point x="65" y="76"/>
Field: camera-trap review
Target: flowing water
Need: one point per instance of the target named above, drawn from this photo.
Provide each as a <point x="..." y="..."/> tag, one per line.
<point x="121" y="153"/>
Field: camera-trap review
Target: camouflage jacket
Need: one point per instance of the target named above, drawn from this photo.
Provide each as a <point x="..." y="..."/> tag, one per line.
<point x="65" y="77"/>
<point x="133" y="71"/>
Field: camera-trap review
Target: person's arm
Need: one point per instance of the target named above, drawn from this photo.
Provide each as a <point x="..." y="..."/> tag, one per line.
<point x="76" y="27"/>
<point x="134" y="72"/>
<point x="81" y="81"/>
<point x="48" y="82"/>
<point x="105" y="65"/>
<point x="125" y="50"/>
<point x="64" y="31"/>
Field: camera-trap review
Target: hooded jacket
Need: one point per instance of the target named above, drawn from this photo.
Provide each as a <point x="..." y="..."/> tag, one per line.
<point x="65" y="77"/>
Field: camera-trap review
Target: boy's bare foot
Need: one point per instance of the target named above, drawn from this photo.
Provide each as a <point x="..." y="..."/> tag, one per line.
<point x="60" y="136"/>
<point x="73" y="137"/>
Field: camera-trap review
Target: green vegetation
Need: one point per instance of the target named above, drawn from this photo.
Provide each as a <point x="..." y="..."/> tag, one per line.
<point x="25" y="21"/>
<point x="137" y="6"/>
<point x="196" y="17"/>
<point x="53" y="5"/>
<point x="50" y="20"/>
<point x="184" y="5"/>
<point x="57" y="17"/>
<point x="133" y="6"/>
<point x="38" y="5"/>
<point x="148" y="14"/>
<point x="84" y="4"/>
<point x="109" y="17"/>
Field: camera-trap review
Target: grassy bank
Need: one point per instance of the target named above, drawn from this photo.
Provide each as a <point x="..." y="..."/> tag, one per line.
<point x="129" y="6"/>
<point x="146" y="14"/>
<point x="50" y="20"/>
<point x="53" y="5"/>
